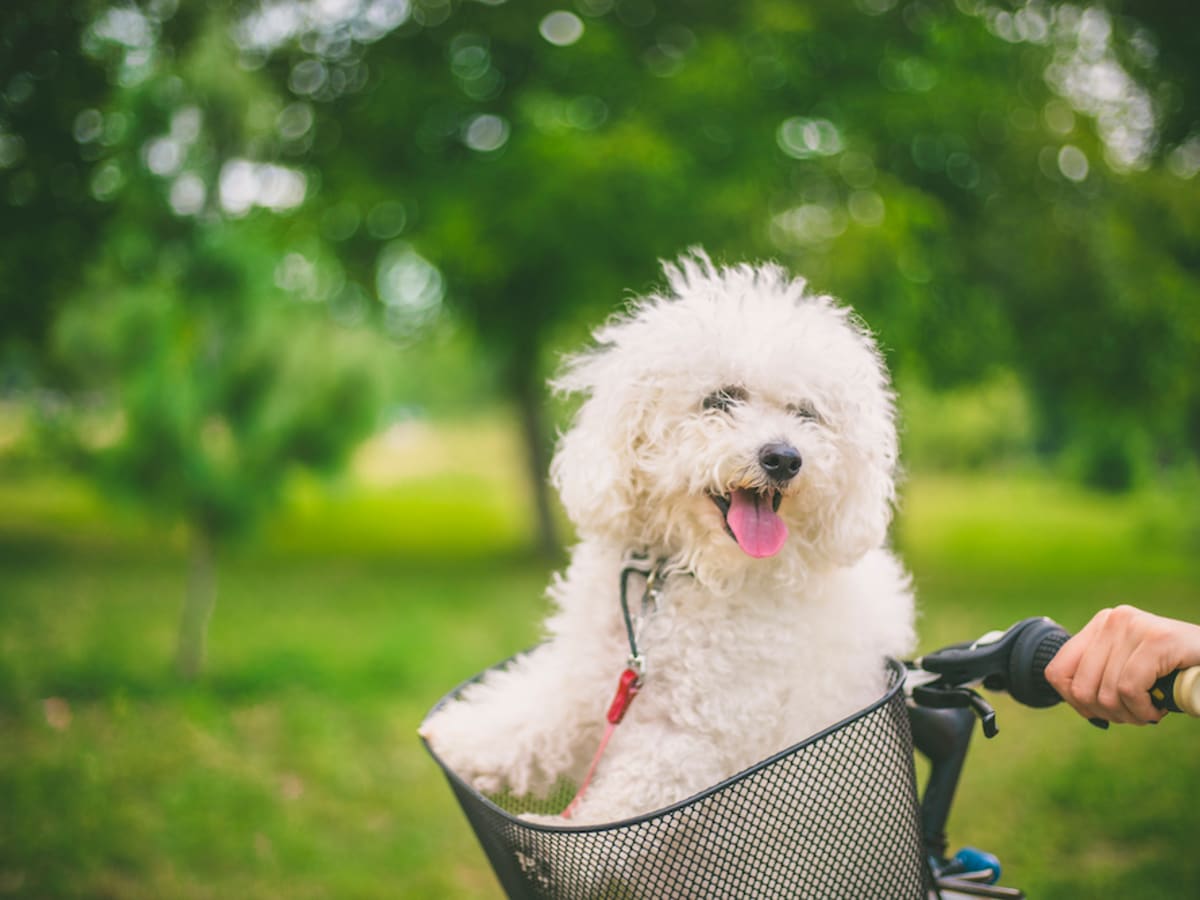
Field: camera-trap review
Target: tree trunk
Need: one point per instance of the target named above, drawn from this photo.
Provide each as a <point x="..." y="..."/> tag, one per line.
<point x="197" y="605"/>
<point x="527" y="392"/>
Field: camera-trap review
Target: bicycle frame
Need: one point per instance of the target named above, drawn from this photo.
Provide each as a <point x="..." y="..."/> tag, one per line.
<point x="943" y="736"/>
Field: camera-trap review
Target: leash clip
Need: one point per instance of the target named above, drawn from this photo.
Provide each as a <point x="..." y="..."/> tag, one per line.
<point x="636" y="664"/>
<point x="653" y="589"/>
<point x="655" y="575"/>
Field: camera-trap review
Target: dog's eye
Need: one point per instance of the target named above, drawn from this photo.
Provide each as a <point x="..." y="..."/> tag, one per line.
<point x="725" y="397"/>
<point x="803" y="411"/>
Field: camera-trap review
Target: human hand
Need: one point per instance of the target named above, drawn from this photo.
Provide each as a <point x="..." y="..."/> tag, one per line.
<point x="1107" y="669"/>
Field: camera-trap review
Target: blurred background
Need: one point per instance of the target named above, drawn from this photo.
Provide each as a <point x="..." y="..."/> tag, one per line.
<point x="280" y="285"/>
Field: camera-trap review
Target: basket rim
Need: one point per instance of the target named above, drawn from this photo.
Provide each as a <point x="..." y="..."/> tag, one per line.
<point x="895" y="668"/>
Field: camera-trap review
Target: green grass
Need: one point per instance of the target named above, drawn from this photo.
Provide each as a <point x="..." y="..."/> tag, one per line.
<point x="292" y="769"/>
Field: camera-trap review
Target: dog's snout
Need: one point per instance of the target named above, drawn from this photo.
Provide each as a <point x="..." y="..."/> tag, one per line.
<point x="780" y="461"/>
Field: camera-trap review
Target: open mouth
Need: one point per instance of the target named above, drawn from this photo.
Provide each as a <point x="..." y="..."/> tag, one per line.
<point x="752" y="520"/>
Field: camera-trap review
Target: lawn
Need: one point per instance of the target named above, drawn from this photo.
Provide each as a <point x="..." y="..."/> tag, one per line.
<point x="292" y="768"/>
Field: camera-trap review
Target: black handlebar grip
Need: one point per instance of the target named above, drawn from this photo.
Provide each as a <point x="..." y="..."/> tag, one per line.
<point x="1041" y="639"/>
<point x="1178" y="691"/>
<point x="1035" y="646"/>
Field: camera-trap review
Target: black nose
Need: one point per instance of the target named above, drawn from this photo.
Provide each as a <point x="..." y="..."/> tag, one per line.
<point x="780" y="461"/>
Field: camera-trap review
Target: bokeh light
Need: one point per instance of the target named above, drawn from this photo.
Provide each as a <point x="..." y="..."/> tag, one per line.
<point x="561" y="28"/>
<point x="245" y="184"/>
<point x="486" y="133"/>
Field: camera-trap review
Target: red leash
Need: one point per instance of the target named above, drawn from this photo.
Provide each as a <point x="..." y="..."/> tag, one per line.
<point x="627" y="688"/>
<point x="631" y="679"/>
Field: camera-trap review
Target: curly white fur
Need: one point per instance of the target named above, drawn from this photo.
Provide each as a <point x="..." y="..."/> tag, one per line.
<point x="746" y="656"/>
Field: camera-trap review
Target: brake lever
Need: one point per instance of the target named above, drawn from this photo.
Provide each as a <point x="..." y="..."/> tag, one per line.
<point x="939" y="695"/>
<point x="960" y="667"/>
<point x="949" y="674"/>
<point x="982" y="660"/>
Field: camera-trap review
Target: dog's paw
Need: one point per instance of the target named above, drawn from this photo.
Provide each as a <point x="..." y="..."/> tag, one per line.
<point x="466" y="745"/>
<point x="485" y="775"/>
<point x="488" y="783"/>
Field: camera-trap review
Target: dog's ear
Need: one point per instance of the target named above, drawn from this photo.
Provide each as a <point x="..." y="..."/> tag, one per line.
<point x="593" y="465"/>
<point x="862" y="511"/>
<point x="862" y="407"/>
<point x="863" y="502"/>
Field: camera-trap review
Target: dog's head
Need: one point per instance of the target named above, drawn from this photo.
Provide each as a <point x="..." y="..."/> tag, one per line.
<point x="732" y="420"/>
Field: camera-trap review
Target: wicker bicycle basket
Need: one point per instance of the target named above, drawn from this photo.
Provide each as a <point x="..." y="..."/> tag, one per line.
<point x="835" y="816"/>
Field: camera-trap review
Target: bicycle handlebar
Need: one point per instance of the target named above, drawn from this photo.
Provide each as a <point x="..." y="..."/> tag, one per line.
<point x="1177" y="691"/>
<point x="941" y="686"/>
<point x="1015" y="661"/>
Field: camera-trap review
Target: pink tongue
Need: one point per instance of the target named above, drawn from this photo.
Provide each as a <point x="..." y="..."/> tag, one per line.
<point x="755" y="526"/>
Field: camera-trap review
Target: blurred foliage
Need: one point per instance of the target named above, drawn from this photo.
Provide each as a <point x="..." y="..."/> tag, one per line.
<point x="205" y="380"/>
<point x="989" y="425"/>
<point x="50" y="220"/>
<point x="993" y="186"/>
<point x="997" y="187"/>
<point x="211" y="392"/>
<point x="220" y="388"/>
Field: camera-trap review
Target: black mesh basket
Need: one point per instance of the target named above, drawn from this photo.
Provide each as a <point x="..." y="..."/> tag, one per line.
<point x="835" y="816"/>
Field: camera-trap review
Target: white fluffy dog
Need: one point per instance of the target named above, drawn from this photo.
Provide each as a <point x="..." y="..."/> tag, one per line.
<point x="737" y="435"/>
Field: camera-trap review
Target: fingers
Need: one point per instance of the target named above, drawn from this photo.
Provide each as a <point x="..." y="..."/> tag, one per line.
<point x="1106" y="670"/>
<point x="1060" y="671"/>
<point x="1123" y="696"/>
<point x="1132" y="687"/>
<point x="1074" y="671"/>
<point x="1087" y="692"/>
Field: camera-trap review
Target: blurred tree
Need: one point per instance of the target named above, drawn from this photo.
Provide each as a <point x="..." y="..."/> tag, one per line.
<point x="948" y="167"/>
<point x="993" y="185"/>
<point x="222" y="391"/>
<point x="542" y="180"/>
<point x="205" y="384"/>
